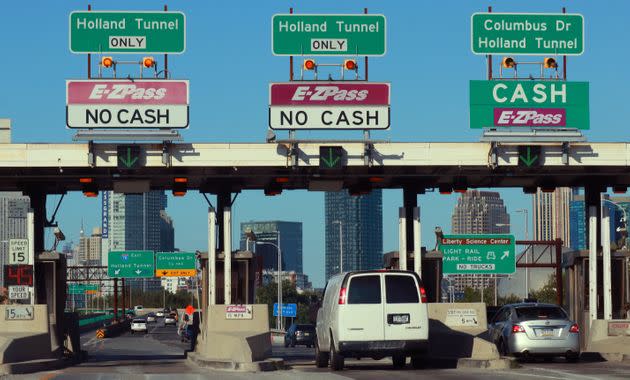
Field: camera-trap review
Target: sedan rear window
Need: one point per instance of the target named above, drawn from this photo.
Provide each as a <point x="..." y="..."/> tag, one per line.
<point x="139" y="321"/>
<point x="365" y="290"/>
<point x="537" y="312"/>
<point x="401" y="289"/>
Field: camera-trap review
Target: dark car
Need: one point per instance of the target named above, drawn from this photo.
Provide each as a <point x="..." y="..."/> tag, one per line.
<point x="300" y="334"/>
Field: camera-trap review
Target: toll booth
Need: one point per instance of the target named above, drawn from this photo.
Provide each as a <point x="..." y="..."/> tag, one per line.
<point x="576" y="280"/>
<point x="431" y="270"/>
<point x="246" y="275"/>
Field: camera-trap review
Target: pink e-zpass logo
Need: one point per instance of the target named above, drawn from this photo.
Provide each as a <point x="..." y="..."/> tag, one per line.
<point x="530" y="117"/>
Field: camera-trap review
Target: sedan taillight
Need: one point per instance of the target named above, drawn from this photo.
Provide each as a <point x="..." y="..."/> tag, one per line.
<point x="574" y="328"/>
<point x="517" y="329"/>
<point x="298" y="333"/>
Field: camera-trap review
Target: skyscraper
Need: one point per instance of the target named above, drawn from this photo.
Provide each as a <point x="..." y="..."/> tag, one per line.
<point x="290" y="243"/>
<point x="357" y="221"/>
<point x="13" y="210"/>
<point x="578" y="225"/>
<point x="478" y="212"/>
<point x="552" y="215"/>
<point x="91" y="248"/>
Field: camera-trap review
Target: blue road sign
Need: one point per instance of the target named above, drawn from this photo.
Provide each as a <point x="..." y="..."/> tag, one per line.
<point x="288" y="310"/>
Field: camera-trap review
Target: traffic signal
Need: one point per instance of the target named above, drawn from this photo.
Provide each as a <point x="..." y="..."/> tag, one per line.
<point x="309" y="64"/>
<point x="180" y="185"/>
<point x="148" y="62"/>
<point x="107" y="62"/>
<point x="350" y="64"/>
<point x="508" y="62"/>
<point x="89" y="187"/>
<point x="331" y="157"/>
<point x="550" y="63"/>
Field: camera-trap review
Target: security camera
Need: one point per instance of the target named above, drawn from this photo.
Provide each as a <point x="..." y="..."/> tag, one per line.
<point x="271" y="136"/>
<point x="59" y="236"/>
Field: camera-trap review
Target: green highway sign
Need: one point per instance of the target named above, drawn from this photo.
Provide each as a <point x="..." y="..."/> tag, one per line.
<point x="331" y="157"/>
<point x="130" y="264"/>
<point x="293" y="34"/>
<point x="175" y="264"/>
<point x="529" y="156"/>
<point x="128" y="156"/>
<point x="527" y="34"/>
<point x="75" y="288"/>
<point x="127" y="32"/>
<point x="529" y="103"/>
<point x="478" y="254"/>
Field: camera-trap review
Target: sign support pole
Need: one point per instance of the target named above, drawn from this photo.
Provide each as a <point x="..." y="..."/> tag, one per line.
<point x="564" y="57"/>
<point x="212" y="255"/>
<point x="402" y="239"/>
<point x="291" y="57"/>
<point x="417" y="250"/>
<point x="606" y="263"/>
<point x="30" y="225"/>
<point x="489" y="55"/>
<point x="592" y="262"/>
<point x="89" y="56"/>
<point x="227" y="254"/>
<point x="165" y="55"/>
<point x="365" y="11"/>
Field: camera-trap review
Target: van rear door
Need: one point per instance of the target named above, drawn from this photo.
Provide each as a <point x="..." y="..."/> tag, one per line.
<point x="361" y="316"/>
<point x="405" y="315"/>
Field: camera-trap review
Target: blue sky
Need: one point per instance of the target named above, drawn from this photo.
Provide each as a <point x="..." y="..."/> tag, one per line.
<point x="229" y="64"/>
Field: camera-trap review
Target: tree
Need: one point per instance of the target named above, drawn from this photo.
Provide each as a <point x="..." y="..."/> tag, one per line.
<point x="548" y="293"/>
<point x="306" y="301"/>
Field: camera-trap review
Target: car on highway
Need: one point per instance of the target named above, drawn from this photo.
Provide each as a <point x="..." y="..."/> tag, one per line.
<point x="535" y="329"/>
<point x="138" y="309"/>
<point x="139" y="325"/>
<point x="170" y="319"/>
<point x="373" y="313"/>
<point x="151" y="317"/>
<point x="162" y="312"/>
<point x="300" y="334"/>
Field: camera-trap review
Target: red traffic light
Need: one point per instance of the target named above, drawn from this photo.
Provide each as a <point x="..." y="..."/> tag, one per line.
<point x="107" y="62"/>
<point x="148" y="62"/>
<point x="350" y="64"/>
<point x="309" y="64"/>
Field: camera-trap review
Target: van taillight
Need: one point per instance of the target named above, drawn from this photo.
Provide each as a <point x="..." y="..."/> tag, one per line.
<point x="342" y="296"/>
<point x="423" y="295"/>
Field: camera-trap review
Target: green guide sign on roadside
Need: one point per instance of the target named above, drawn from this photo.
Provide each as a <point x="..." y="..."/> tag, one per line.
<point x="127" y="32"/>
<point x="478" y="254"/>
<point x="348" y="35"/>
<point x="175" y="264"/>
<point x="130" y="264"/>
<point x="527" y="34"/>
<point x="529" y="103"/>
<point x="74" y="288"/>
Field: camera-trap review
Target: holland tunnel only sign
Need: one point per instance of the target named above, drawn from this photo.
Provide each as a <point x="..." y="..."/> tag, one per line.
<point x="329" y="105"/>
<point x="127" y="104"/>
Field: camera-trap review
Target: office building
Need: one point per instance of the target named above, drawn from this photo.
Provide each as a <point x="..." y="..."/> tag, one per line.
<point x="91" y="248"/>
<point x="13" y="210"/>
<point x="618" y="208"/>
<point x="290" y="243"/>
<point x="478" y="212"/>
<point x="357" y="223"/>
<point x="167" y="233"/>
<point x="174" y="284"/>
<point x="299" y="280"/>
<point x="551" y="215"/>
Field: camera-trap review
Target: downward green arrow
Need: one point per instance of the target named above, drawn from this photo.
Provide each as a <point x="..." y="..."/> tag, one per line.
<point x="330" y="162"/>
<point x="529" y="160"/>
<point x="128" y="162"/>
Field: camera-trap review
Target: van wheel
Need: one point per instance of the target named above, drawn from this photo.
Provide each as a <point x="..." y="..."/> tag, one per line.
<point x="417" y="361"/>
<point x="399" y="361"/>
<point x="336" y="359"/>
<point x="321" y="358"/>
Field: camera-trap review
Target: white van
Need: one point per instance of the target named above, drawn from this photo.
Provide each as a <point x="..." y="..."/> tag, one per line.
<point x="373" y="314"/>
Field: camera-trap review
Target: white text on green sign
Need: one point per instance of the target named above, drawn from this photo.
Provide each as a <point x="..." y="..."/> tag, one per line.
<point x="130" y="264"/>
<point x="478" y="254"/>
<point x="527" y="34"/>
<point x="328" y="34"/>
<point x="127" y="32"/>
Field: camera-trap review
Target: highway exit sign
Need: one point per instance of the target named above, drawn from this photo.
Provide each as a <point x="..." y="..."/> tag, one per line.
<point x="529" y="103"/>
<point x="130" y="264"/>
<point x="527" y="34"/>
<point x="127" y="32"/>
<point x="478" y="254"/>
<point x="175" y="264"/>
<point x="318" y="34"/>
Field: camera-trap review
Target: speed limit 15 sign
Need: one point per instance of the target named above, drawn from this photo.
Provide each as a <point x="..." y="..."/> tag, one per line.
<point x="18" y="251"/>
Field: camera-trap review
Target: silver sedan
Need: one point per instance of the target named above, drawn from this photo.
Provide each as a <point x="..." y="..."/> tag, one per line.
<point x="533" y="329"/>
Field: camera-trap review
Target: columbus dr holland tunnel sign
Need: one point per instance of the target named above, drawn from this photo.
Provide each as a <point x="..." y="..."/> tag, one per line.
<point x="127" y="104"/>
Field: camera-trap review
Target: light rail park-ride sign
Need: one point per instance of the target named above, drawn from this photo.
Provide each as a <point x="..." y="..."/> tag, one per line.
<point x="527" y="34"/>
<point x="478" y="254"/>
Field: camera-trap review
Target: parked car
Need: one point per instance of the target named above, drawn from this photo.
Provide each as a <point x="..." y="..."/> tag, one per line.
<point x="373" y="314"/>
<point x="139" y="325"/>
<point x="300" y="334"/>
<point x="535" y="329"/>
<point x="151" y="317"/>
<point x="170" y="319"/>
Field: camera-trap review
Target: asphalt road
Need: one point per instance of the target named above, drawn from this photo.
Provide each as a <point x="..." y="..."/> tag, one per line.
<point x="160" y="354"/>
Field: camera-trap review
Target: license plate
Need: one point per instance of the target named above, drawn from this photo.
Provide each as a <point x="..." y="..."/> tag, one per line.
<point x="399" y="319"/>
<point x="546" y="332"/>
<point x="306" y="334"/>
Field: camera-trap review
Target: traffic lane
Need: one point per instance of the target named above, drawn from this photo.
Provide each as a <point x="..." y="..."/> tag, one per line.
<point x="167" y="334"/>
<point x="583" y="369"/>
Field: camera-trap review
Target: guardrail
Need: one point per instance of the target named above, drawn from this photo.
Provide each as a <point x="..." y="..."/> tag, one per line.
<point x="113" y="330"/>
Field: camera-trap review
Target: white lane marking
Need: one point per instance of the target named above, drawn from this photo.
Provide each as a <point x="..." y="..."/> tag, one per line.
<point x="530" y="375"/>
<point x="569" y="374"/>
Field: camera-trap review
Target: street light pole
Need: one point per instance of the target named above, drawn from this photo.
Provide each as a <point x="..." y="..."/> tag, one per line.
<point x="340" y="245"/>
<point x="524" y="211"/>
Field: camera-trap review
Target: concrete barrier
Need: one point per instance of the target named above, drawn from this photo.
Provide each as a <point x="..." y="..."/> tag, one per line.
<point x="610" y="339"/>
<point x="458" y="332"/>
<point x="237" y="344"/>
